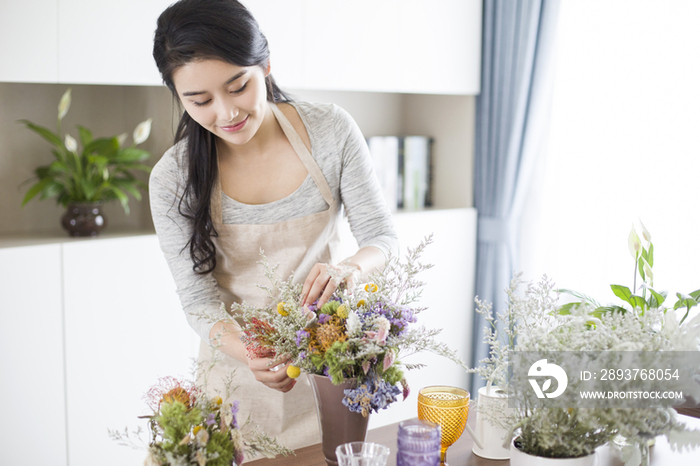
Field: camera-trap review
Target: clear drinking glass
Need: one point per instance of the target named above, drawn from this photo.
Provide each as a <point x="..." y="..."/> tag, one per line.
<point x="361" y="454"/>
<point x="418" y="443"/>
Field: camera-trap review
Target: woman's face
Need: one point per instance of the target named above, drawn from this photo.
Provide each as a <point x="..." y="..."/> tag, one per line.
<point x="228" y="100"/>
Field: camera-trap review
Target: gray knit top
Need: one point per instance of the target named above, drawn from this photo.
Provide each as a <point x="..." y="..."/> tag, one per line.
<point x="340" y="150"/>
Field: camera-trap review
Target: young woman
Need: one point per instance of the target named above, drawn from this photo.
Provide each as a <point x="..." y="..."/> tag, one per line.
<point x="252" y="170"/>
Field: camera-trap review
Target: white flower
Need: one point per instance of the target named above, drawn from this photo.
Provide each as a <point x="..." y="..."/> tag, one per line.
<point x="634" y="243"/>
<point x="64" y="104"/>
<point x="645" y="233"/>
<point x="142" y="131"/>
<point x="648" y="273"/>
<point x="71" y="144"/>
<point x="122" y="139"/>
<point x="353" y="324"/>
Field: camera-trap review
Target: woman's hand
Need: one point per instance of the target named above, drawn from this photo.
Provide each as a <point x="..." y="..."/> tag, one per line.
<point x="272" y="373"/>
<point x="318" y="286"/>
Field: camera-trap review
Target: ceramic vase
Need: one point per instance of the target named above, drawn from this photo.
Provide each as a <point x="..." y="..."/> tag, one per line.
<point x="490" y="437"/>
<point x="519" y="458"/>
<point x="337" y="424"/>
<point x="83" y="219"/>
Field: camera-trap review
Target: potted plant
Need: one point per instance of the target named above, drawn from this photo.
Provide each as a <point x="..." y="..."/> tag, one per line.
<point x="536" y="322"/>
<point x="575" y="431"/>
<point x="83" y="179"/>
<point x="351" y="347"/>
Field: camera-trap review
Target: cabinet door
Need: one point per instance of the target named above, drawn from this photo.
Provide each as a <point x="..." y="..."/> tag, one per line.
<point x="29" y="51"/>
<point x="31" y="356"/>
<point x="448" y="295"/>
<point x="282" y="22"/>
<point x="108" y="42"/>
<point x="417" y="46"/>
<point x="124" y="330"/>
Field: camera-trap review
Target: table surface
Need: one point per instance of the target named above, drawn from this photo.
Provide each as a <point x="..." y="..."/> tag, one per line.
<point x="460" y="454"/>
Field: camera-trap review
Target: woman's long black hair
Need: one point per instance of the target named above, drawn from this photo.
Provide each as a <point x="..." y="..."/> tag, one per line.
<point x="195" y="30"/>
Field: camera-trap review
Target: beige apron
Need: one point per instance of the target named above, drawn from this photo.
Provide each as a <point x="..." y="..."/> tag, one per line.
<point x="296" y="245"/>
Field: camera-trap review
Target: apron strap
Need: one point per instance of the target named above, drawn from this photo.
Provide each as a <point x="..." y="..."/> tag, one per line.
<point x="306" y="158"/>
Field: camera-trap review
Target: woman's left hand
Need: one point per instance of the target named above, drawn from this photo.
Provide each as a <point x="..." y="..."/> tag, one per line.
<point x="318" y="286"/>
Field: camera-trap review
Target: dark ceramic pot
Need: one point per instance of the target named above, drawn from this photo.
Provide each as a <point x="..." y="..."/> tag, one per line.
<point x="84" y="219"/>
<point x="338" y="424"/>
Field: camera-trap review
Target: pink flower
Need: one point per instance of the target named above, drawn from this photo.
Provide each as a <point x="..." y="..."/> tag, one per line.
<point x="389" y="358"/>
<point x="365" y="367"/>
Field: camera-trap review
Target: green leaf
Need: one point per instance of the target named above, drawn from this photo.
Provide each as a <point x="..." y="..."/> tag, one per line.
<point x="650" y="259"/>
<point x="695" y="295"/>
<point x="565" y="309"/>
<point x="608" y="309"/>
<point x="107" y="147"/>
<point x="583" y="297"/>
<point x="658" y="298"/>
<point x="640" y="268"/>
<point x="85" y="136"/>
<point x="685" y="300"/>
<point x="50" y="136"/>
<point x="119" y="194"/>
<point x="626" y="295"/>
<point x="130" y="155"/>
<point x="35" y="189"/>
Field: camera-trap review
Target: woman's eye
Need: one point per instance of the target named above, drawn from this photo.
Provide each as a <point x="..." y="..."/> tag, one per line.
<point x="241" y="89"/>
<point x="201" y="104"/>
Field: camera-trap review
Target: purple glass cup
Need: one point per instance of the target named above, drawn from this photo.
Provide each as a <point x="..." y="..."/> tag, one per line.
<point x="418" y="443"/>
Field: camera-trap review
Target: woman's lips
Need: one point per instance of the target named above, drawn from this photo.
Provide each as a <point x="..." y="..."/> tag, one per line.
<point x="234" y="128"/>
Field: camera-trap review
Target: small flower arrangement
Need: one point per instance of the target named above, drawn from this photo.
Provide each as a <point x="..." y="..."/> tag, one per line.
<point x="101" y="172"/>
<point x="361" y="333"/>
<point x="189" y="428"/>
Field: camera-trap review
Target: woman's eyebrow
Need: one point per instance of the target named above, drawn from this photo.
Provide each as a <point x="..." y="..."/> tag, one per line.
<point x="233" y="78"/>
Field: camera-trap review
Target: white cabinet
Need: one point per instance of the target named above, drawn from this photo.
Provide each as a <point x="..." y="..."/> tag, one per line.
<point x="108" y="42"/>
<point x="28" y="45"/>
<point x="88" y="327"/>
<point x="31" y="357"/>
<point x="411" y="46"/>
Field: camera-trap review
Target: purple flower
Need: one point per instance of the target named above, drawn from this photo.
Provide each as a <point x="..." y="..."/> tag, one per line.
<point x="371" y="396"/>
<point x="211" y="419"/>
<point x="234" y="411"/>
<point x="301" y="335"/>
<point x="323" y="318"/>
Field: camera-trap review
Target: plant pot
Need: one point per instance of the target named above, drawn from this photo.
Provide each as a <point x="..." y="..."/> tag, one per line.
<point x="338" y="425"/>
<point x="84" y="219"/>
<point x="519" y="458"/>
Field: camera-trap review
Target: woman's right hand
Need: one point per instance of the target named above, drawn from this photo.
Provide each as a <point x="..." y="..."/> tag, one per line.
<point x="272" y="373"/>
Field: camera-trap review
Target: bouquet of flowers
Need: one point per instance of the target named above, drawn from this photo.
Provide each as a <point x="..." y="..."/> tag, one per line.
<point x="361" y="333"/>
<point x="189" y="428"/>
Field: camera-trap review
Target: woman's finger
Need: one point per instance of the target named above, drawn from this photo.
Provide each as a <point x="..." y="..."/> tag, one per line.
<point x="327" y="293"/>
<point x="314" y="273"/>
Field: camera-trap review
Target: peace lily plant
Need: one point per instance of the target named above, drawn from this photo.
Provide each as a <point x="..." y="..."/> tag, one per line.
<point x="100" y="172"/>
<point x="534" y="321"/>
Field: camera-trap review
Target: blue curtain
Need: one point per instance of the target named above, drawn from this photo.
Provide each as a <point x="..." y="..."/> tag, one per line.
<point x="511" y="120"/>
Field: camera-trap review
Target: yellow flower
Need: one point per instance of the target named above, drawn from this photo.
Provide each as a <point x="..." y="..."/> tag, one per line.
<point x="361" y="303"/>
<point x="371" y="288"/>
<point x="293" y="372"/>
<point x="281" y="309"/>
<point x="342" y="311"/>
<point x="197" y="429"/>
<point x="217" y="402"/>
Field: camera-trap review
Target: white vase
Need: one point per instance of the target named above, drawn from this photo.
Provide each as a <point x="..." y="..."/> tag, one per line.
<point x="518" y="458"/>
<point x="489" y="437"/>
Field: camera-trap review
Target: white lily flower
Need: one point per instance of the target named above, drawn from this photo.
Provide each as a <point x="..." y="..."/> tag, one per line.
<point x="645" y="233"/>
<point x="142" y="131"/>
<point x="64" y="104"/>
<point x="121" y="139"/>
<point x="71" y="144"/>
<point x="634" y="243"/>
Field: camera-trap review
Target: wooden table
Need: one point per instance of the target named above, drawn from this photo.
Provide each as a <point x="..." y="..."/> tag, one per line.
<point x="460" y="454"/>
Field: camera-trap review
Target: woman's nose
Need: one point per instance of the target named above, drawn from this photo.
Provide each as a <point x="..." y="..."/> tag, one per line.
<point x="227" y="113"/>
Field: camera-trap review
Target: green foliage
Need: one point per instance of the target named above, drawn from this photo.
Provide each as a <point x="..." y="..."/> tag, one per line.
<point x="103" y="171"/>
<point x="643" y="252"/>
<point x="221" y="449"/>
<point x="177" y="421"/>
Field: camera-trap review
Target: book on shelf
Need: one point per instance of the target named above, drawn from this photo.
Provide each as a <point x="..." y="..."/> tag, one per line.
<point x="403" y="165"/>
